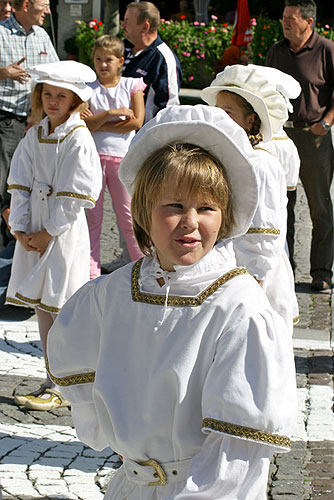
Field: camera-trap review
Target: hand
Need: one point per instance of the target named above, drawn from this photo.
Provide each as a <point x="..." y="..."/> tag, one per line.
<point x="24" y="239"/>
<point x="16" y="72"/>
<point x="128" y="113"/>
<point x="86" y="114"/>
<point x="318" y="129"/>
<point x="40" y="241"/>
<point x="5" y="215"/>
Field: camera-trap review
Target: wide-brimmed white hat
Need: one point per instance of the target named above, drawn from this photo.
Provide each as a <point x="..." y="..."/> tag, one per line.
<point x="268" y="90"/>
<point x="69" y="75"/>
<point x="213" y="130"/>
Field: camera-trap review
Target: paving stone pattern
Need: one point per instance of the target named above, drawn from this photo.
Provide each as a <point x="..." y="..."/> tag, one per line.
<point x="41" y="457"/>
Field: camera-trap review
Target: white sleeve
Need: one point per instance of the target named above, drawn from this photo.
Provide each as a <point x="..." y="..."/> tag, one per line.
<point x="258" y="250"/>
<point x="226" y="469"/>
<point x="79" y="182"/>
<point x="19" y="186"/>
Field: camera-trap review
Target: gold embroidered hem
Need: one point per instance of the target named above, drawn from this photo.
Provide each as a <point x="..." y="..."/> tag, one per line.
<point x="291" y="188"/>
<point x="263" y="230"/>
<point x="19" y="186"/>
<point x="55" y="141"/>
<point x="24" y="301"/>
<point x="178" y="301"/>
<point x="296" y="320"/>
<point x="76" y="195"/>
<point x="247" y="432"/>
<point x="80" y="378"/>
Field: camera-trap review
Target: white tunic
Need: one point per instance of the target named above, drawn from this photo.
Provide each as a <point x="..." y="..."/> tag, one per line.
<point x="262" y="249"/>
<point x="197" y="375"/>
<point x="286" y="152"/>
<point x="52" y="179"/>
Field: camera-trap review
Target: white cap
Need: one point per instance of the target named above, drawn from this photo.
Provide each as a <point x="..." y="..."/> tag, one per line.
<point x="213" y="130"/>
<point x="69" y="75"/>
<point x="268" y="90"/>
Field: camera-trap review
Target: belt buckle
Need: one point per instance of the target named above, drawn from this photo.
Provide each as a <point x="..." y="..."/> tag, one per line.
<point x="159" y="472"/>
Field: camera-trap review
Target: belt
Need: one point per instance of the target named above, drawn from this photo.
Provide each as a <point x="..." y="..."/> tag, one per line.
<point x="151" y="473"/>
<point x="298" y="124"/>
<point x="13" y="116"/>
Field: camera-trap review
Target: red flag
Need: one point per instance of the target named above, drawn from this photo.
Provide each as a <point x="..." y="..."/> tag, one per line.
<point x="242" y="31"/>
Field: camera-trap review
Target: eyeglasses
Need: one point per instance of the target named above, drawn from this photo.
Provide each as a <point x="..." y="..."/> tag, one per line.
<point x="42" y="6"/>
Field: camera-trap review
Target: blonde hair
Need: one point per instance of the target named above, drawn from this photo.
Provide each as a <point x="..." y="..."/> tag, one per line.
<point x="112" y="43"/>
<point x="183" y="166"/>
<point x="37" y="111"/>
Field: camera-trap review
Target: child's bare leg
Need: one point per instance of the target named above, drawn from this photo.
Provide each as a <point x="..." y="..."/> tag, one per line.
<point x="45" y="321"/>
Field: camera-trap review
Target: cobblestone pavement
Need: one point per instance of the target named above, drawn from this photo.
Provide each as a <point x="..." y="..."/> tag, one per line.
<point x="41" y="457"/>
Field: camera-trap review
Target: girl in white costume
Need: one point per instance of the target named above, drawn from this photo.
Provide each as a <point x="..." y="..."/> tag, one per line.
<point x="55" y="174"/>
<point x="176" y="361"/>
<point x="116" y="111"/>
<point x="249" y="95"/>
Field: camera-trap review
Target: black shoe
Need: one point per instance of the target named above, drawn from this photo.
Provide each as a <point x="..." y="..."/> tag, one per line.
<point x="320" y="283"/>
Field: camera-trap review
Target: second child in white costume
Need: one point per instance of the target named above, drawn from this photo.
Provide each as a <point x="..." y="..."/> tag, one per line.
<point x="55" y="174"/>
<point x="249" y="95"/>
<point x="175" y="361"/>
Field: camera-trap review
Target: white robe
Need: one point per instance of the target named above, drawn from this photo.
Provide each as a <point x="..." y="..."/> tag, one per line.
<point x="286" y="152"/>
<point x="197" y="375"/>
<point x="52" y="179"/>
<point x="262" y="249"/>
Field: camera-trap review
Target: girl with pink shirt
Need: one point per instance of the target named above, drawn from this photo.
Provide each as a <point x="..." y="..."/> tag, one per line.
<point x="116" y="111"/>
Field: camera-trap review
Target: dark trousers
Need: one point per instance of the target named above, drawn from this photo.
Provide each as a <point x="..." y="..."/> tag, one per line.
<point x="11" y="132"/>
<point x="316" y="173"/>
<point x="6" y="259"/>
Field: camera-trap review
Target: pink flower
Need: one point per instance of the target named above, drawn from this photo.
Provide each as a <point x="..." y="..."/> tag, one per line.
<point x="91" y="24"/>
<point x="326" y="26"/>
<point x="167" y="22"/>
<point x="253" y="21"/>
<point x="202" y="24"/>
<point x="202" y="44"/>
<point x="196" y="23"/>
<point x="203" y="56"/>
<point x="224" y="30"/>
<point x="190" y="79"/>
<point x="197" y="51"/>
<point x="78" y="22"/>
<point x="214" y="17"/>
<point x="180" y="39"/>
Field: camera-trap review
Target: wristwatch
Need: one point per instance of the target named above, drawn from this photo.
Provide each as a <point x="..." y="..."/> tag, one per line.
<point x="325" y="125"/>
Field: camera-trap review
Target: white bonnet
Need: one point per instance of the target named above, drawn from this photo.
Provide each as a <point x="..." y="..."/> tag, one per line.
<point x="69" y="75"/>
<point x="213" y="130"/>
<point x="268" y="90"/>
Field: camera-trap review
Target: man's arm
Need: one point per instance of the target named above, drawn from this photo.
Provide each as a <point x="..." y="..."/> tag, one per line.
<point x="15" y="72"/>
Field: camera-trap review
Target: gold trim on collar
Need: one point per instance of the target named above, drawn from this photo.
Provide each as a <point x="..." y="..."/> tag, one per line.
<point x="280" y="138"/>
<point x="178" y="301"/>
<point x="263" y="230"/>
<point x="262" y="149"/>
<point x="81" y="378"/>
<point x="76" y="195"/>
<point x="19" y="186"/>
<point x="55" y="141"/>
<point x="247" y="432"/>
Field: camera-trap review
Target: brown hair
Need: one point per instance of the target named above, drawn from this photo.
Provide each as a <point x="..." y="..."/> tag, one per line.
<point x="254" y="134"/>
<point x="185" y="166"/>
<point x="146" y="11"/>
<point x="37" y="111"/>
<point x="112" y="43"/>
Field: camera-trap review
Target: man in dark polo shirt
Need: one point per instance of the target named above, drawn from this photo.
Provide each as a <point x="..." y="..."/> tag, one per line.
<point x="309" y="58"/>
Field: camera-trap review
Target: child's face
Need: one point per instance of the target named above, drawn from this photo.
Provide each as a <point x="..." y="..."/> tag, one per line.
<point x="57" y="102"/>
<point x="183" y="229"/>
<point x="230" y="103"/>
<point x="106" y="64"/>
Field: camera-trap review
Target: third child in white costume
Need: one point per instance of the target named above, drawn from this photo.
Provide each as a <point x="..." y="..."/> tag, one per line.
<point x="176" y="361"/>
<point x="249" y="95"/>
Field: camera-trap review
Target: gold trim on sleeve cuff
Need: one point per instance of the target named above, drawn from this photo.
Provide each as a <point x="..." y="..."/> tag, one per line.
<point x="263" y="230"/>
<point x="76" y="195"/>
<point x="19" y="186"/>
<point x="247" y="432"/>
<point x="79" y="378"/>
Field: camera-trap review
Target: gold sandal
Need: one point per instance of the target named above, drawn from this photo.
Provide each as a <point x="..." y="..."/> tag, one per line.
<point x="54" y="400"/>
